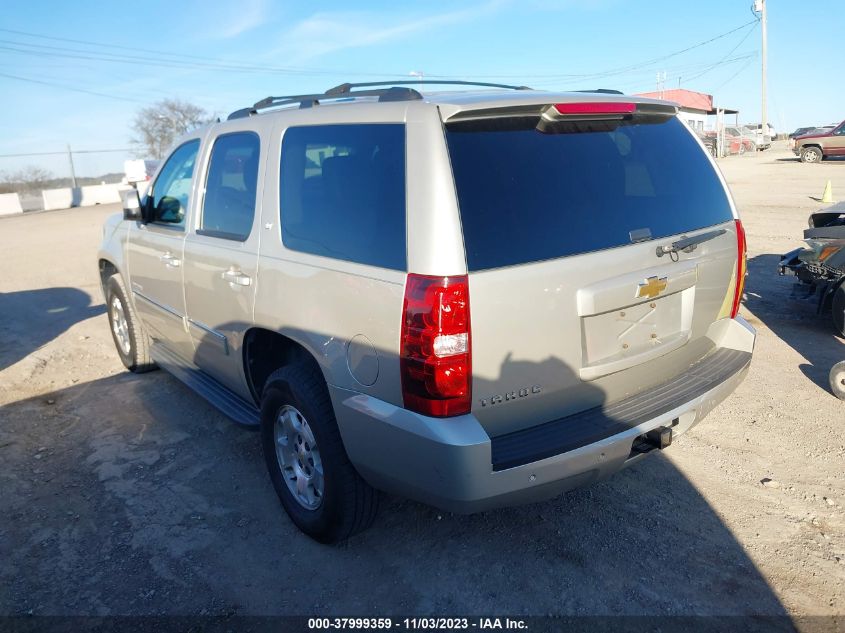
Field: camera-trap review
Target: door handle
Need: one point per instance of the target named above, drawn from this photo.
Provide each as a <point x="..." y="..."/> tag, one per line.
<point x="236" y="278"/>
<point x="170" y="260"/>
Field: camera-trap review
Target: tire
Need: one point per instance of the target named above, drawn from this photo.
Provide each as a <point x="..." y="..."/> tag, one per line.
<point x="130" y="340"/>
<point x="741" y="149"/>
<point x="837" y="380"/>
<point x="811" y="154"/>
<point x="837" y="309"/>
<point x="302" y="446"/>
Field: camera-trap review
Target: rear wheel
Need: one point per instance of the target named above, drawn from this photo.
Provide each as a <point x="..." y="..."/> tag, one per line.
<point x="132" y="343"/>
<point x="811" y="155"/>
<point x="317" y="484"/>
<point x="837" y="380"/>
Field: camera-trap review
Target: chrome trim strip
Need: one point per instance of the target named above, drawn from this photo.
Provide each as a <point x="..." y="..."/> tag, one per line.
<point x="158" y="305"/>
<point x="221" y="338"/>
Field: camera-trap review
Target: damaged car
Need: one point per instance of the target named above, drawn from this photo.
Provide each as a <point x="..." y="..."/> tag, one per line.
<point x="821" y="264"/>
<point x="821" y="268"/>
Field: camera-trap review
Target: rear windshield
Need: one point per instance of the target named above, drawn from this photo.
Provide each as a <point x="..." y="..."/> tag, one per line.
<point x="528" y="196"/>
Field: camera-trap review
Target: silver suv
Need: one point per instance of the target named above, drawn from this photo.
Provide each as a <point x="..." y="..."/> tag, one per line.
<point x="472" y="299"/>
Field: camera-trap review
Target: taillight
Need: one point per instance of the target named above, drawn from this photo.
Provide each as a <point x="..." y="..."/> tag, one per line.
<point x="741" y="254"/>
<point x="435" y="354"/>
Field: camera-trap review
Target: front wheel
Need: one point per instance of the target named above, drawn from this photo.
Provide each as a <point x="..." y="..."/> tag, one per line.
<point x="837" y="380"/>
<point x="317" y="484"/>
<point x="811" y="155"/>
<point x="132" y="343"/>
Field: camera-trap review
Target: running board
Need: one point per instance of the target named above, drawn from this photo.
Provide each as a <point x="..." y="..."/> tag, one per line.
<point x="228" y="402"/>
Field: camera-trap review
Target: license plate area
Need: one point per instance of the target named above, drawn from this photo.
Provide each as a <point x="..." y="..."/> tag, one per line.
<point x="628" y="336"/>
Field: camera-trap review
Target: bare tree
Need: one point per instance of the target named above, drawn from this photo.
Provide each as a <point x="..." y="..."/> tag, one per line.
<point x="26" y="180"/>
<point x="159" y="125"/>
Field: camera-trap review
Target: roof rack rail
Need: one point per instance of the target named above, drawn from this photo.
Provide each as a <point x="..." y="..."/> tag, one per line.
<point x="384" y="90"/>
<point x="603" y="91"/>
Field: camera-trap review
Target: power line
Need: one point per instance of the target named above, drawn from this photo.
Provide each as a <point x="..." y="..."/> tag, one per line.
<point x="729" y="53"/>
<point x="613" y="71"/>
<point x="196" y="62"/>
<point x="171" y="60"/>
<point x="55" y="85"/>
<point x="673" y="71"/>
<point x="63" y="153"/>
<point x="734" y="76"/>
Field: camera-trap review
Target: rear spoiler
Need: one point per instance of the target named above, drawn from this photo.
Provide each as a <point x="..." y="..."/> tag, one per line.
<point x="575" y="116"/>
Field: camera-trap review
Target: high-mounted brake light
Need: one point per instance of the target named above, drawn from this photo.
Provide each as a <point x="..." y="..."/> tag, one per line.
<point x="741" y="267"/>
<point x="435" y="355"/>
<point x="599" y="107"/>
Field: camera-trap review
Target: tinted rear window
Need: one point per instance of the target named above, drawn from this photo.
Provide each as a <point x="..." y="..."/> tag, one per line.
<point x="526" y="196"/>
<point x="343" y="192"/>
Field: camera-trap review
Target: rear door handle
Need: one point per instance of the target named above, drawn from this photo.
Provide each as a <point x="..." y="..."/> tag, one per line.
<point x="236" y="278"/>
<point x="170" y="260"/>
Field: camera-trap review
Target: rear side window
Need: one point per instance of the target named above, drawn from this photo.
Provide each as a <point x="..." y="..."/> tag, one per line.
<point x="230" y="186"/>
<point x="526" y="196"/>
<point x="342" y="192"/>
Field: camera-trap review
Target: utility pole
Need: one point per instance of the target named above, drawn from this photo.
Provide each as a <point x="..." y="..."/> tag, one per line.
<point x="661" y="84"/>
<point x="72" y="172"/>
<point x="760" y="5"/>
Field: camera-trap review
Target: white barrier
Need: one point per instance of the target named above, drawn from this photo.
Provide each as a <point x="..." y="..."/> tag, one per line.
<point x="10" y="203"/>
<point x="60" y="198"/>
<point x="81" y="196"/>
<point x="99" y="194"/>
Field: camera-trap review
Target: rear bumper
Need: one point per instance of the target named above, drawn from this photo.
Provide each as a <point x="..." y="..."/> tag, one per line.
<point x="453" y="464"/>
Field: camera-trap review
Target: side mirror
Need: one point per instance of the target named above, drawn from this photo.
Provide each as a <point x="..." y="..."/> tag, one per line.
<point x="169" y="210"/>
<point x="132" y="206"/>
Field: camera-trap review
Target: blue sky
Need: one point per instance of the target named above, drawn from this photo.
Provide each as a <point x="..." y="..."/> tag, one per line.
<point x="225" y="55"/>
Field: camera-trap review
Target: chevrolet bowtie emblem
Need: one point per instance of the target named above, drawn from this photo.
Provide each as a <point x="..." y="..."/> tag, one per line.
<point x="652" y="287"/>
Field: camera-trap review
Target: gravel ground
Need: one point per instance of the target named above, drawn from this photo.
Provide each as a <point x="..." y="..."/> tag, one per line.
<point x="123" y="494"/>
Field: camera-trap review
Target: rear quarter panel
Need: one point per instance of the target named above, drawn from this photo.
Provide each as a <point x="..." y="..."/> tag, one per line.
<point x="348" y="315"/>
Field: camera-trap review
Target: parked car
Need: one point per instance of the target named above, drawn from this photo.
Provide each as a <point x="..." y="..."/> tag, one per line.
<point x="708" y="140"/>
<point x="740" y="139"/>
<point x="801" y="131"/>
<point x="758" y="129"/>
<point x="473" y="299"/>
<point x="761" y="140"/>
<point x="816" y="146"/>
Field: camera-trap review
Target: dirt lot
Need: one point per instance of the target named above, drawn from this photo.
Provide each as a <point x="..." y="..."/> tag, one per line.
<point x="123" y="494"/>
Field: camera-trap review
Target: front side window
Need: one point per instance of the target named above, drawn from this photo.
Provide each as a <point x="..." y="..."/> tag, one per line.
<point x="172" y="189"/>
<point x="230" y="186"/>
<point x="342" y="192"/>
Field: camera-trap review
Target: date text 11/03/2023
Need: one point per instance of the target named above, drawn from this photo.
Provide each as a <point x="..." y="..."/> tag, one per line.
<point x="413" y="624"/>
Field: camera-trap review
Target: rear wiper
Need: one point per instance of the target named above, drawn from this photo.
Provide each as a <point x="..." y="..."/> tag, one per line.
<point x="688" y="244"/>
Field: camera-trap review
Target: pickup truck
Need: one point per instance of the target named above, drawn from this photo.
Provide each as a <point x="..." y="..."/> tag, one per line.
<point x="816" y="146"/>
